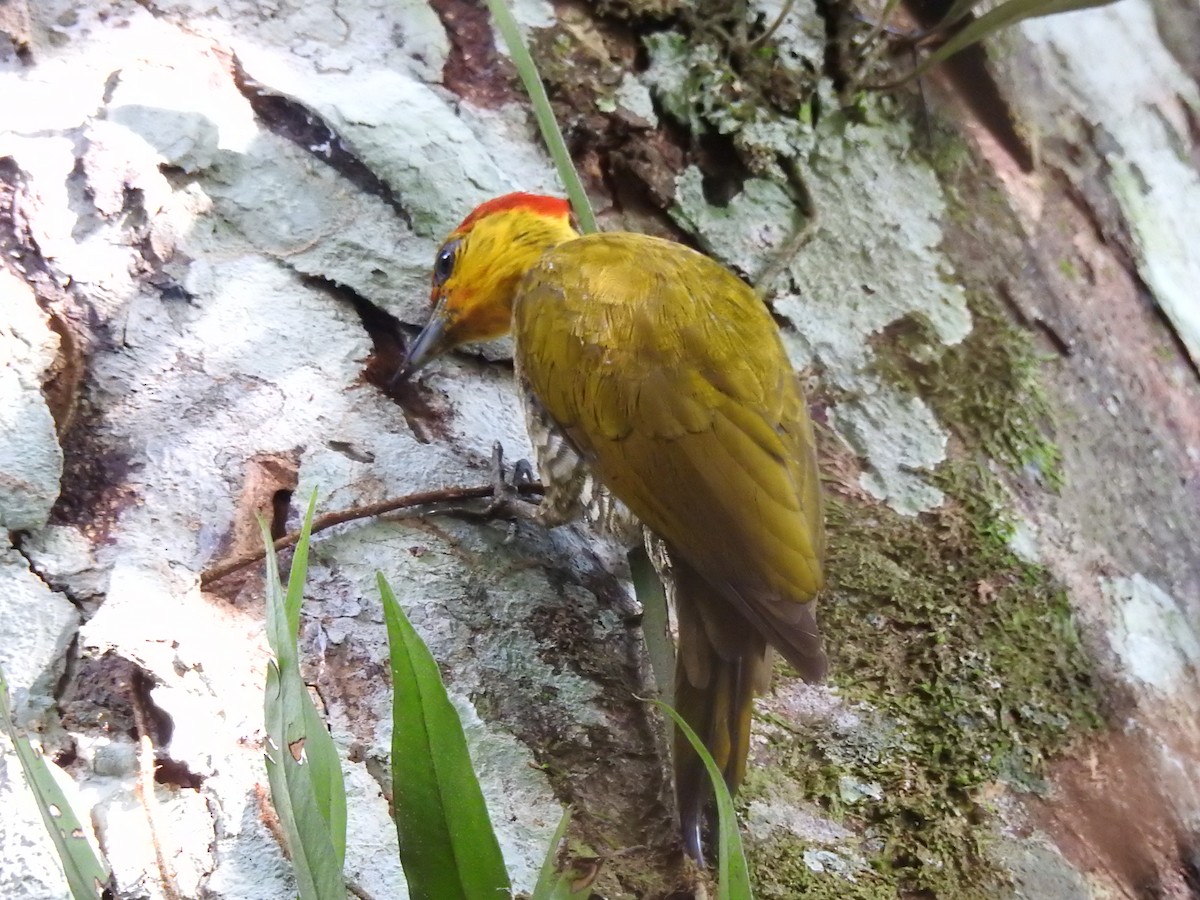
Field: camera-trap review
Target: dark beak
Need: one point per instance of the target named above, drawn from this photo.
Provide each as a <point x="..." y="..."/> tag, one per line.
<point x="429" y="345"/>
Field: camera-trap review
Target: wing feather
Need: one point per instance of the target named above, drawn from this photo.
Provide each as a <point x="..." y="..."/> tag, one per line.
<point x="668" y="374"/>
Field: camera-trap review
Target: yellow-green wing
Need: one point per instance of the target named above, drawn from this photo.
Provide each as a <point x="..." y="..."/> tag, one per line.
<point x="669" y="377"/>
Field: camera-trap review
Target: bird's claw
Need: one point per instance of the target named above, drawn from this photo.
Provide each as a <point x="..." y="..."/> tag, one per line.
<point x="523" y="473"/>
<point x="506" y="493"/>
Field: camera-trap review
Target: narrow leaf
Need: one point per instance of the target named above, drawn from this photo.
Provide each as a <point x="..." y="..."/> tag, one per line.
<point x="1002" y="16"/>
<point x="314" y="860"/>
<point x="656" y="626"/>
<point x="544" y="113"/>
<point x="87" y="876"/>
<point x="733" y="875"/>
<point x="302" y="762"/>
<point x="550" y="884"/>
<point x="326" y="773"/>
<point x="447" y="846"/>
<point x="958" y="10"/>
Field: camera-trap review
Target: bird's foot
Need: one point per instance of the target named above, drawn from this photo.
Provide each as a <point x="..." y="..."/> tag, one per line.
<point x="506" y="499"/>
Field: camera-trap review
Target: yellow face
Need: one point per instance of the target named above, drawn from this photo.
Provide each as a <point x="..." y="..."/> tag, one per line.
<point x="477" y="270"/>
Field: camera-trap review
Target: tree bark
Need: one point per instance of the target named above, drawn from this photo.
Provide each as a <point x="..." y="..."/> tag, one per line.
<point x="217" y="222"/>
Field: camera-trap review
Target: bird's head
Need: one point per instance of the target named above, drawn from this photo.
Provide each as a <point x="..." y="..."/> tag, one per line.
<point x="477" y="268"/>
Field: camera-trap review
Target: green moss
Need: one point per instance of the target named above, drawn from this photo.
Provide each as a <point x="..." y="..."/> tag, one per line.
<point x="713" y="76"/>
<point x="947" y="152"/>
<point x="968" y="657"/>
<point x="987" y="387"/>
<point x="962" y="658"/>
<point x="784" y="870"/>
<point x="633" y="10"/>
<point x="580" y="78"/>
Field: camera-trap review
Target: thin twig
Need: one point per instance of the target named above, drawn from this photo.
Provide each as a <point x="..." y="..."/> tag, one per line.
<point x="145" y="790"/>
<point x="877" y="28"/>
<point x="370" y="510"/>
<point x="357" y="890"/>
<point x="766" y="35"/>
<point x="871" y="48"/>
<point x="784" y="256"/>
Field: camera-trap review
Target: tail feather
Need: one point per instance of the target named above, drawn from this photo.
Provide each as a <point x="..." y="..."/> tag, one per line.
<point x="722" y="663"/>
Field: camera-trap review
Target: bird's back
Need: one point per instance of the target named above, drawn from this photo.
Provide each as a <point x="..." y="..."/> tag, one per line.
<point x="668" y="376"/>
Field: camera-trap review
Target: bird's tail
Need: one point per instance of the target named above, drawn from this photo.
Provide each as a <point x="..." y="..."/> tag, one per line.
<point x="722" y="663"/>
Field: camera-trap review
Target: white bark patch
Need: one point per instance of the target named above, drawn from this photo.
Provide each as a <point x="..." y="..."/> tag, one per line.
<point x="1139" y="109"/>
<point x="1157" y="641"/>
<point x="188" y="232"/>
<point x="763" y="818"/>
<point x="30" y="458"/>
<point x="874" y="259"/>
<point x="36" y="624"/>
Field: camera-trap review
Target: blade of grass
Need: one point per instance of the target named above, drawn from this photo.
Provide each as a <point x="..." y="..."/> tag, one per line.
<point x="656" y="625"/>
<point x="302" y="762"/>
<point x="555" y="885"/>
<point x="322" y="753"/>
<point x="544" y="114"/>
<point x="1002" y="16"/>
<point x="549" y="881"/>
<point x="87" y="876"/>
<point x="733" y="874"/>
<point x="447" y="846"/>
<point x="563" y="890"/>
<point x="958" y="9"/>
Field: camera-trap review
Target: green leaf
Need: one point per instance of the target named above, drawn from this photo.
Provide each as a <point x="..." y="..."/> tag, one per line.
<point x="447" y="846"/>
<point x="555" y="885"/>
<point x="322" y="753"/>
<point x="87" y="876"/>
<point x="958" y="10"/>
<point x="548" y="877"/>
<point x="544" y="113"/>
<point x="303" y="767"/>
<point x="656" y="628"/>
<point x="733" y="875"/>
<point x="989" y="23"/>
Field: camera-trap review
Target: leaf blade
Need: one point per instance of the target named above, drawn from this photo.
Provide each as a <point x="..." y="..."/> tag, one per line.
<point x="550" y="883"/>
<point x="303" y="767"/>
<point x="1002" y="16"/>
<point x="447" y="846"/>
<point x="544" y="113"/>
<point x="733" y="873"/>
<point x="86" y="874"/>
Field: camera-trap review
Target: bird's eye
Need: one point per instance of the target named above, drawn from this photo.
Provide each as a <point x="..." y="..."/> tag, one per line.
<point x="444" y="264"/>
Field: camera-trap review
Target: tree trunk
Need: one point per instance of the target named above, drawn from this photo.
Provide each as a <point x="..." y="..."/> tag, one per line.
<point x="217" y="224"/>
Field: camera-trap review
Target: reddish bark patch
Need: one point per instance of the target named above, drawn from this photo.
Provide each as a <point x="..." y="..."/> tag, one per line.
<point x="16" y="27"/>
<point x="1110" y="816"/>
<point x="94" y="484"/>
<point x="95" y="480"/>
<point x="20" y="255"/>
<point x="654" y="160"/>
<point x="267" y="487"/>
<point x="63" y="381"/>
<point x="474" y="70"/>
